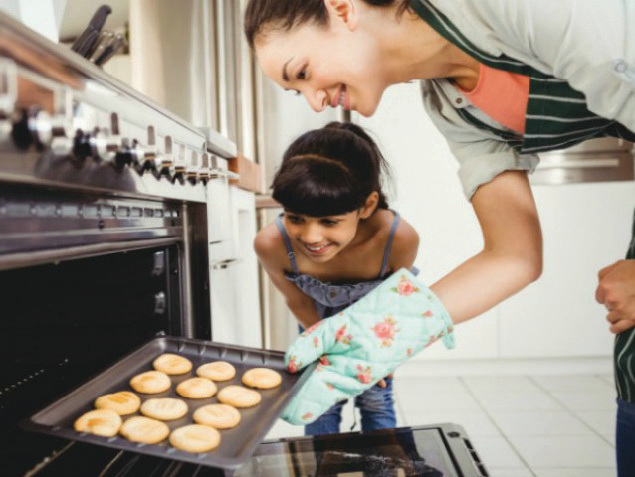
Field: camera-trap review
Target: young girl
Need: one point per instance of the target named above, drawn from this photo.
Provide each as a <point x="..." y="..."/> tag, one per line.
<point x="336" y="240"/>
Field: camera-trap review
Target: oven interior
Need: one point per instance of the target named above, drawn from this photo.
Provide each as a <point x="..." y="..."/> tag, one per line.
<point x="84" y="279"/>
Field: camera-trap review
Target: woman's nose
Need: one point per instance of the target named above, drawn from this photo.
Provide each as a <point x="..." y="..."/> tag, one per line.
<point x="317" y="99"/>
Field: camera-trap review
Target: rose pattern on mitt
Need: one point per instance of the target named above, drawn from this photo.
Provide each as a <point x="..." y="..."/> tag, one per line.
<point x="385" y="331"/>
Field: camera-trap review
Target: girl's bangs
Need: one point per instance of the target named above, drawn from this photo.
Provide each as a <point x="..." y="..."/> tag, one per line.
<point x="308" y="197"/>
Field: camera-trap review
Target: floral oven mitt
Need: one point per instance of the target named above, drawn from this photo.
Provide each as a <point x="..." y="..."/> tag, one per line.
<point x="364" y="343"/>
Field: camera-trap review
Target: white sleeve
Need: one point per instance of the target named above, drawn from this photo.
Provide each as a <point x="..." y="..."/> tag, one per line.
<point x="481" y="154"/>
<point x="589" y="43"/>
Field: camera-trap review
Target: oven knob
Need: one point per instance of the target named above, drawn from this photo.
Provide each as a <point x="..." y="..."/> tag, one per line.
<point x="33" y="128"/>
<point x="191" y="174"/>
<point x="98" y="145"/>
<point x="146" y="160"/>
<point x="178" y="171"/>
<point x="129" y="153"/>
<point x="62" y="140"/>
<point x="89" y="145"/>
<point x="164" y="164"/>
<point x="6" y="127"/>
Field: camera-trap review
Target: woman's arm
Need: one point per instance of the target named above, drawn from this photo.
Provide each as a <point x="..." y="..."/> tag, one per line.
<point x="268" y="245"/>
<point x="512" y="251"/>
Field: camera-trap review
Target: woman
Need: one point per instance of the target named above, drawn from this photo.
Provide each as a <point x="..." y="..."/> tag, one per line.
<point x="502" y="80"/>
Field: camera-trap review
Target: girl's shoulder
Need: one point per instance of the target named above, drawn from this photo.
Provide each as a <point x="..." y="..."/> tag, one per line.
<point x="269" y="244"/>
<point x="406" y="237"/>
<point x="385" y="223"/>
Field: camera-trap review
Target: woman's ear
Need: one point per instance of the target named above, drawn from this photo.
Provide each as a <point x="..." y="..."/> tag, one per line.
<point x="343" y="11"/>
<point x="369" y="206"/>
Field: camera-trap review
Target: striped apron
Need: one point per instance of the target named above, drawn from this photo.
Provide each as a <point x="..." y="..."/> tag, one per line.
<point x="624" y="355"/>
<point x="557" y="117"/>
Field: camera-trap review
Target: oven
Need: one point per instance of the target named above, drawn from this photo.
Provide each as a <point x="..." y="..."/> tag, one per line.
<point x="103" y="240"/>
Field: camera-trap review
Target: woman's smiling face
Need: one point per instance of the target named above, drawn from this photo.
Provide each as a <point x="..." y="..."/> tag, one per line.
<point x="332" y="65"/>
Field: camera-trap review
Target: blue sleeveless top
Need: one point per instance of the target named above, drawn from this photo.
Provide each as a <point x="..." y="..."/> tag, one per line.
<point x="332" y="298"/>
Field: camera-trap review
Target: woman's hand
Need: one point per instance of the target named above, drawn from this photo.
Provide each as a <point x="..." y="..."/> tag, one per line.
<point x="616" y="290"/>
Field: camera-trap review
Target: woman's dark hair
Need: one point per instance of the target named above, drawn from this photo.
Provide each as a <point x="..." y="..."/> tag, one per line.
<point x="285" y="14"/>
<point x="330" y="171"/>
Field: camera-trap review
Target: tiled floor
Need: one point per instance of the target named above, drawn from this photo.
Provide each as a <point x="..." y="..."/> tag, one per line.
<point x="543" y="426"/>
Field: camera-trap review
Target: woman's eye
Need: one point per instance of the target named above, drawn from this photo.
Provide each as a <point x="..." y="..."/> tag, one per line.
<point x="329" y="223"/>
<point x="293" y="219"/>
<point x="301" y="74"/>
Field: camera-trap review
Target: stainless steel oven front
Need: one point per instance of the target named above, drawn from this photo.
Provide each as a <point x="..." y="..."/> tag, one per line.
<point x="103" y="240"/>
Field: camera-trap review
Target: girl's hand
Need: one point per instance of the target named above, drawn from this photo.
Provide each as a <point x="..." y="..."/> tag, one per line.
<point x="382" y="382"/>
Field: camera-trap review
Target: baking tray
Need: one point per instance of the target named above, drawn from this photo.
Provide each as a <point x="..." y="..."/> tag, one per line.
<point x="236" y="445"/>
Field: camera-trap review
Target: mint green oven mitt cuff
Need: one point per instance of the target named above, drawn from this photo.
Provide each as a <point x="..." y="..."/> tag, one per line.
<point x="364" y="343"/>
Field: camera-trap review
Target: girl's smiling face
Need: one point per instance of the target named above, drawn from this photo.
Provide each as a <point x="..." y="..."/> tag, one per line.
<point x="321" y="238"/>
<point x="332" y="65"/>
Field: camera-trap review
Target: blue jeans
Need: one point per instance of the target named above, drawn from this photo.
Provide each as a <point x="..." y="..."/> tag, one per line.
<point x="376" y="405"/>
<point x="625" y="438"/>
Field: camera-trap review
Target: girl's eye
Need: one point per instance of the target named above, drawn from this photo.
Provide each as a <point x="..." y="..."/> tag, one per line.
<point x="329" y="223"/>
<point x="301" y="74"/>
<point x="294" y="219"/>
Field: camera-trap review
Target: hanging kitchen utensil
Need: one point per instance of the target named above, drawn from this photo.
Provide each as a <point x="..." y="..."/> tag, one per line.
<point x="85" y="42"/>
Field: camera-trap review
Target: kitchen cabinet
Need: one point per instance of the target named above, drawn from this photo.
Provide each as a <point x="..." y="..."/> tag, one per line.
<point x="585" y="227"/>
<point x="234" y="292"/>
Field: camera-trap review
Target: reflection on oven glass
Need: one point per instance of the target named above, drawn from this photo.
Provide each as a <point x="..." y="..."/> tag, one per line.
<point x="395" y="453"/>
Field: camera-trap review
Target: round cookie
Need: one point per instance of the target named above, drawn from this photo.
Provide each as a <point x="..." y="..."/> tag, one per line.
<point x="262" y="378"/>
<point x="219" y="416"/>
<point x="169" y="363"/>
<point x="216" y="371"/>
<point x="123" y="402"/>
<point x="164" y="409"/>
<point x="195" y="438"/>
<point x="103" y="422"/>
<point x="197" y="388"/>
<point x="150" y="382"/>
<point x="145" y="430"/>
<point x="238" y="396"/>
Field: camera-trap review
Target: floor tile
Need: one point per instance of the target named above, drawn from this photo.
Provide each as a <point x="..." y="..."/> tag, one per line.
<point x="517" y="400"/>
<point x="475" y="423"/>
<point x="283" y="429"/>
<point x="432" y="401"/>
<point x="588" y="401"/>
<point x="439" y="384"/>
<point x="571" y="384"/>
<point x="510" y="472"/>
<point x="603" y="422"/>
<point x="539" y="423"/>
<point x="499" y="384"/>
<point x="609" y="378"/>
<point x="496" y="452"/>
<point x="571" y="451"/>
<point x="575" y="472"/>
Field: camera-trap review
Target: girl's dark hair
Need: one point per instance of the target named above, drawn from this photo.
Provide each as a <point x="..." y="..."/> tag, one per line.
<point x="330" y="171"/>
<point x="285" y="14"/>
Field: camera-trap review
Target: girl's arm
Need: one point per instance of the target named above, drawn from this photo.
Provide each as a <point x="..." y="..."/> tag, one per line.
<point x="512" y="251"/>
<point x="272" y="255"/>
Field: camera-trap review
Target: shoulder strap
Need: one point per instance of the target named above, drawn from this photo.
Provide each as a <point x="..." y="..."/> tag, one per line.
<point x="393" y="229"/>
<point x="287" y="244"/>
